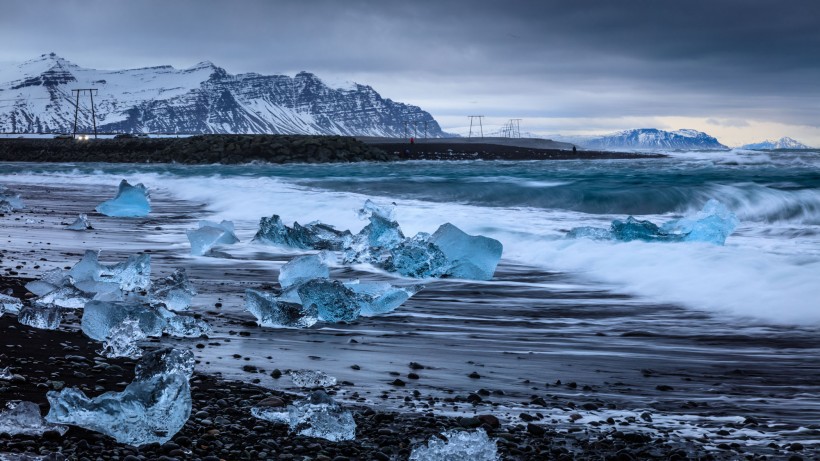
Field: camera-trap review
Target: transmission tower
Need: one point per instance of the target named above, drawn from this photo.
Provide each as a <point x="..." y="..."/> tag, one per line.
<point x="91" y="92"/>
<point x="481" y="125"/>
<point x="515" y="128"/>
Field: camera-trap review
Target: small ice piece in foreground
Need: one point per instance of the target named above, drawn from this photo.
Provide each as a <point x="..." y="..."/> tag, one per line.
<point x="80" y="224"/>
<point x="185" y="326"/>
<point x="271" y="311"/>
<point x="370" y="208"/>
<point x="460" y="446"/>
<point x="713" y="224"/>
<point x="311" y="379"/>
<point x="24" y="418"/>
<point x="42" y="317"/>
<point x="210" y="234"/>
<point x="174" y="291"/>
<point x="332" y="300"/>
<point x="417" y="257"/>
<point x="100" y="318"/>
<point x="152" y="409"/>
<point x="381" y="297"/>
<point x="303" y="268"/>
<point x="316" y="235"/>
<point x="130" y="202"/>
<point x="9" y="304"/>
<point x="316" y="416"/>
<point x="9" y="201"/>
<point x="6" y="374"/>
<point x="122" y="340"/>
<point x="67" y="297"/>
<point x="472" y="257"/>
<point x="132" y="274"/>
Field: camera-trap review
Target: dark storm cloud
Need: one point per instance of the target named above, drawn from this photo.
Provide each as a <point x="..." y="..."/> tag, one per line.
<point x="721" y="58"/>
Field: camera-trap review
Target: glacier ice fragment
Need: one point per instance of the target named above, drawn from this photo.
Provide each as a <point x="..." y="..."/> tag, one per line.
<point x="713" y="224"/>
<point x="100" y="318"/>
<point x="470" y="256"/>
<point x="332" y="300"/>
<point x="130" y="202"/>
<point x="210" y="234"/>
<point x="9" y="304"/>
<point x="417" y="257"/>
<point x="185" y="326"/>
<point x="303" y="268"/>
<point x="80" y="224"/>
<point x="271" y="311"/>
<point x="316" y="235"/>
<point x="174" y="291"/>
<point x="376" y="298"/>
<point x="459" y="446"/>
<point x="592" y="233"/>
<point x="42" y="317"/>
<point x="10" y="201"/>
<point x="132" y="274"/>
<point x="316" y="416"/>
<point x="24" y="418"/>
<point x="311" y="379"/>
<point x="151" y="409"/>
<point x="122" y="340"/>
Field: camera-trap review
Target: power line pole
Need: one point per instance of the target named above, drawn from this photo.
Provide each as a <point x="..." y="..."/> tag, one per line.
<point x="481" y="125"/>
<point x="91" y="93"/>
<point x="515" y="127"/>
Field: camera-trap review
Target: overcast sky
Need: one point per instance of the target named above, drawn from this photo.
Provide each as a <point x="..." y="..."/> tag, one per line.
<point x="742" y="70"/>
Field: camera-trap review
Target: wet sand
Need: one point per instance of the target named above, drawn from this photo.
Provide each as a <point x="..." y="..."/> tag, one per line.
<point x="560" y="363"/>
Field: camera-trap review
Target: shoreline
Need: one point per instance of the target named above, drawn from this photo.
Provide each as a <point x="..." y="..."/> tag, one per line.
<point x="243" y="149"/>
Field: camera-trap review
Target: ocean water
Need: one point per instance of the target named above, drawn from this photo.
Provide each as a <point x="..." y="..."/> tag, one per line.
<point x="733" y="328"/>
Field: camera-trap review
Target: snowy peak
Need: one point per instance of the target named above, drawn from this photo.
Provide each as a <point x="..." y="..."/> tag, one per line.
<point x="36" y="97"/>
<point x="782" y="143"/>
<point x="653" y="138"/>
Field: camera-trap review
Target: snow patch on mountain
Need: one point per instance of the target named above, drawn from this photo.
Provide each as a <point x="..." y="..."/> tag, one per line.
<point x="782" y="143"/>
<point x="646" y="139"/>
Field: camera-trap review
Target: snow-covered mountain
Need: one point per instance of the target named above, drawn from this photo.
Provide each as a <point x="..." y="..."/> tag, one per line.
<point x="645" y="139"/>
<point x="782" y="143"/>
<point x="36" y="97"/>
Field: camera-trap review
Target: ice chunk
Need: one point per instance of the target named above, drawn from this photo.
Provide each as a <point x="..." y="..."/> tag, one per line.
<point x="592" y="233"/>
<point x="713" y="224"/>
<point x="131" y="274"/>
<point x="271" y="311"/>
<point x="470" y="257"/>
<point x="311" y="379"/>
<point x="316" y="416"/>
<point x="80" y="224"/>
<point x="185" y="326"/>
<point x="303" y="268"/>
<point x="317" y="236"/>
<point x="635" y="229"/>
<point x="459" y="446"/>
<point x="88" y="269"/>
<point x="9" y="304"/>
<point x="100" y="318"/>
<point x="380" y="297"/>
<point x="10" y="201"/>
<point x="67" y="297"/>
<point x="417" y="257"/>
<point x="332" y="300"/>
<point x="130" y="202"/>
<point x="210" y="234"/>
<point x="122" y="340"/>
<point x="370" y="208"/>
<point x="24" y="418"/>
<point x="42" y="317"/>
<point x="6" y="374"/>
<point x="151" y="409"/>
<point x="174" y="291"/>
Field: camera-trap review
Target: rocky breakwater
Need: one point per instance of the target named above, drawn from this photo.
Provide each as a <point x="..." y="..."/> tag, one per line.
<point x="225" y="149"/>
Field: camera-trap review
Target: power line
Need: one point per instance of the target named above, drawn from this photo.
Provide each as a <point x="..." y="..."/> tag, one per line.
<point x="481" y="125"/>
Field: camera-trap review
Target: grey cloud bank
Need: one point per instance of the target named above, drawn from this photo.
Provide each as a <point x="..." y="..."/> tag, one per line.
<point x="724" y="60"/>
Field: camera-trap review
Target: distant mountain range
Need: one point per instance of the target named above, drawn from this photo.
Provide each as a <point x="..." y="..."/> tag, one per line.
<point x="36" y="97"/>
<point x="782" y="143"/>
<point x="646" y="139"/>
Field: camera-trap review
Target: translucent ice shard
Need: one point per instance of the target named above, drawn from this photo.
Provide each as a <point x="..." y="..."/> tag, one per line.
<point x="131" y="274"/>
<point x="100" y="318"/>
<point x="311" y="379"/>
<point x="122" y="340"/>
<point x="470" y="257"/>
<point x="376" y="238"/>
<point x="370" y="208"/>
<point x="315" y="235"/>
<point x="10" y="201"/>
<point x="417" y="257"/>
<point x="9" y="304"/>
<point x="67" y="297"/>
<point x="24" y="418"/>
<point x="210" y="234"/>
<point x="174" y="291"/>
<point x="151" y="409"/>
<point x="185" y="326"/>
<point x="42" y="317"/>
<point x="458" y="446"/>
<point x="130" y="202"/>
<point x="303" y="268"/>
<point x="6" y="374"/>
<point x="635" y="229"/>
<point x="376" y="298"/>
<point x="316" y="416"/>
<point x="332" y="300"/>
<point x="271" y="311"/>
<point x="592" y="233"/>
<point x="80" y="224"/>
<point x="713" y="224"/>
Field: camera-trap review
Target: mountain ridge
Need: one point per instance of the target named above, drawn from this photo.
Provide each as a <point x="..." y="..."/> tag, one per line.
<point x="647" y="139"/>
<point x="35" y="97"/>
<point x="782" y="143"/>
